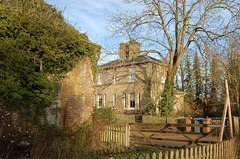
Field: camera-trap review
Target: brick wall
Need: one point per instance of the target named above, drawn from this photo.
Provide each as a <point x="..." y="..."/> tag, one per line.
<point x="76" y="98"/>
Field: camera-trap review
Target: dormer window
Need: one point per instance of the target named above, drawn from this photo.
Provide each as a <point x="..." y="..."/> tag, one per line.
<point x="133" y="75"/>
<point x="100" y="78"/>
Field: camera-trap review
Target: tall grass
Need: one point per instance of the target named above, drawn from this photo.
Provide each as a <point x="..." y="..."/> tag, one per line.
<point x="51" y="142"/>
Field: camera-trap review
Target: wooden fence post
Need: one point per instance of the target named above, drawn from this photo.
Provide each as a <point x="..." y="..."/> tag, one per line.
<point x="206" y="121"/>
<point x="127" y="135"/>
<point x="188" y="120"/>
<point x="236" y="126"/>
<point x="223" y="120"/>
<point x="226" y="107"/>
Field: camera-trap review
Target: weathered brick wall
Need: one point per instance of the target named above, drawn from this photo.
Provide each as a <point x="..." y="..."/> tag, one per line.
<point x="76" y="99"/>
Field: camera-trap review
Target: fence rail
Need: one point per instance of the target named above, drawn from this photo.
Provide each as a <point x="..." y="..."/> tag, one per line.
<point x="224" y="150"/>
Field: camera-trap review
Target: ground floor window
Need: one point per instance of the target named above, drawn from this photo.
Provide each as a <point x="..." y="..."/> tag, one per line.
<point x="132" y="101"/>
<point x="114" y="101"/>
<point x="139" y="101"/>
<point x="100" y="100"/>
<point x="104" y="100"/>
<point x="124" y="101"/>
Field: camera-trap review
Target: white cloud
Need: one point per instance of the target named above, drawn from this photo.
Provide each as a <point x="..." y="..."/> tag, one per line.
<point x="89" y="15"/>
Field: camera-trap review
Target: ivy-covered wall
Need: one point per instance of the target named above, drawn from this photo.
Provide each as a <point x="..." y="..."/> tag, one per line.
<point x="75" y="100"/>
<point x="77" y="94"/>
<point x="37" y="49"/>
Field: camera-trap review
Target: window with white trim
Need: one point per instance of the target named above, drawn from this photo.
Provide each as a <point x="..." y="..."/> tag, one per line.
<point x="100" y="78"/>
<point x="163" y="77"/>
<point x="132" y="101"/>
<point x="124" y="101"/>
<point x="100" y="100"/>
<point x="139" y="100"/>
<point x="104" y="100"/>
<point x="114" y="77"/>
<point x="114" y="100"/>
<point x="133" y="74"/>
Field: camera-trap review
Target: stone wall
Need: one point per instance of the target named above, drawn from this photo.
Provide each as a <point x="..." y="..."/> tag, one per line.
<point x="147" y="84"/>
<point x="123" y="86"/>
<point x="129" y="49"/>
<point x="179" y="106"/>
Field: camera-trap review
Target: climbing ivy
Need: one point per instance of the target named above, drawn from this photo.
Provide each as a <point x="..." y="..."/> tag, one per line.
<point x="167" y="103"/>
<point x="37" y="48"/>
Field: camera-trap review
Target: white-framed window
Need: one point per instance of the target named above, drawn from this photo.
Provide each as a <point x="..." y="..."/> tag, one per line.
<point x="125" y="101"/>
<point x="100" y="78"/>
<point x="114" y="100"/>
<point x="139" y="100"/>
<point x="132" y="101"/>
<point x="100" y="100"/>
<point x="114" y="77"/>
<point x="133" y="74"/>
<point x="163" y="77"/>
<point x="104" y="100"/>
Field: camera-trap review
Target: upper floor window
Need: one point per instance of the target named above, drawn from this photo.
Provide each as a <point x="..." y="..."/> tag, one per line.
<point x="163" y="77"/>
<point x="132" y="101"/>
<point x="114" y="77"/>
<point x="133" y="74"/>
<point x="101" y="78"/>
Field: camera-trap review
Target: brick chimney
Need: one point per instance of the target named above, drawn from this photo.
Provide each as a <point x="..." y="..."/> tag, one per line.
<point x="129" y="50"/>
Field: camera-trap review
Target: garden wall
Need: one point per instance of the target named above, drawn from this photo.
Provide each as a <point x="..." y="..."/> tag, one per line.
<point x="155" y="119"/>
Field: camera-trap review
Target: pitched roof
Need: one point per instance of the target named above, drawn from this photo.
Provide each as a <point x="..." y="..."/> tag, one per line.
<point x="137" y="60"/>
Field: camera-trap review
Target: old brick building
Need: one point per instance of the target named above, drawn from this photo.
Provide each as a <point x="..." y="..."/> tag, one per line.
<point x="75" y="97"/>
<point x="131" y="82"/>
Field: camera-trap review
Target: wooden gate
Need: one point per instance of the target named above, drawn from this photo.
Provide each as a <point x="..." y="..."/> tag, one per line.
<point x="169" y="136"/>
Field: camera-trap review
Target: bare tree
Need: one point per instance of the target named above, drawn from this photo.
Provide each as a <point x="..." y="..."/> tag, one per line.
<point x="170" y="27"/>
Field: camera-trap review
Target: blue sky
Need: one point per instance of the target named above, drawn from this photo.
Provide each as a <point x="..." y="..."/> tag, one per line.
<point x="90" y="16"/>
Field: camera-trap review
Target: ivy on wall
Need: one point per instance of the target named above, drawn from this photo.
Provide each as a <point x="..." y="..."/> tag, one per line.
<point x="37" y="48"/>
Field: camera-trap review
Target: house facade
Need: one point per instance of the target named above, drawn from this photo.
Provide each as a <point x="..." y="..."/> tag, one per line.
<point x="131" y="82"/>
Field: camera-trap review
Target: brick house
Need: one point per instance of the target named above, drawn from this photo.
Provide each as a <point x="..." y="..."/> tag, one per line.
<point x="131" y="82"/>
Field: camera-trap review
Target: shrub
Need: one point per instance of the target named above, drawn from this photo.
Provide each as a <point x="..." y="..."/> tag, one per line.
<point x="104" y="115"/>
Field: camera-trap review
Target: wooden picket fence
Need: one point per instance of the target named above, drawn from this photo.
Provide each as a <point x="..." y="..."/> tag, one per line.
<point x="224" y="150"/>
<point x="116" y="134"/>
<point x="228" y="149"/>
